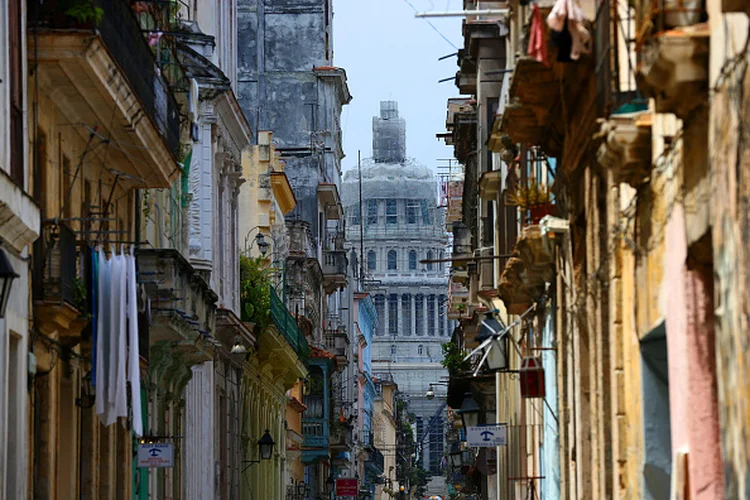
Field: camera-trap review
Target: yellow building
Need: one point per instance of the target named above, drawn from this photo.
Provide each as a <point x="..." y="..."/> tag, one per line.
<point x="384" y="433"/>
<point x="272" y="391"/>
<point x="96" y="136"/>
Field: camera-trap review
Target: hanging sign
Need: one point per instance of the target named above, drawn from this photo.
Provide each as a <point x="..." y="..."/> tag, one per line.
<point x="346" y="487"/>
<point x="156" y="455"/>
<point x="487" y="436"/>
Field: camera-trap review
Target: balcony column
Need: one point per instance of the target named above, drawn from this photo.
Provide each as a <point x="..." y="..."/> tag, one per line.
<point x="423" y="312"/>
<point x="400" y="303"/>
<point x="413" y="314"/>
<point x="386" y="307"/>
<point x="436" y="313"/>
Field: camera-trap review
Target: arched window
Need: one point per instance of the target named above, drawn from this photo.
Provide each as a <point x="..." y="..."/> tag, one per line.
<point x="412" y="260"/>
<point x="392" y="260"/>
<point x="420" y="350"/>
<point x="429" y="257"/>
<point x="372" y="260"/>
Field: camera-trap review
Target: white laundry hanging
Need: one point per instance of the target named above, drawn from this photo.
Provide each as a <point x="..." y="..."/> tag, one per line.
<point x="134" y="373"/>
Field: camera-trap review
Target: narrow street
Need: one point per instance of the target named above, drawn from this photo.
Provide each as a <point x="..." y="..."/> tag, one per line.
<point x="374" y="250"/>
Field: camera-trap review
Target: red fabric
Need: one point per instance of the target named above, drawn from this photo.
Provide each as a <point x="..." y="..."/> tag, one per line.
<point x="537" y="43"/>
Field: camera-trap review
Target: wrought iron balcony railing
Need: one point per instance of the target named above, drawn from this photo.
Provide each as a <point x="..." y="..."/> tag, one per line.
<point x="288" y="326"/>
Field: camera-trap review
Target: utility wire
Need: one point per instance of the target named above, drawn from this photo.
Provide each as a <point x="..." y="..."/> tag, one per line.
<point x="432" y="26"/>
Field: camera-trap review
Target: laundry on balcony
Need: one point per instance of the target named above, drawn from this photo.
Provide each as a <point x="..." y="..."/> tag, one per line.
<point x="115" y="338"/>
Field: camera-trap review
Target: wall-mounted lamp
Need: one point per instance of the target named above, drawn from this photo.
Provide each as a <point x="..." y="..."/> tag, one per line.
<point x="7" y="275"/>
<point x="265" y="450"/>
<point x="239" y="351"/>
<point x="469" y="412"/>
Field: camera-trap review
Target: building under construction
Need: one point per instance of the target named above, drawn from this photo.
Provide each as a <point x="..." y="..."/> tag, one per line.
<point x="394" y="221"/>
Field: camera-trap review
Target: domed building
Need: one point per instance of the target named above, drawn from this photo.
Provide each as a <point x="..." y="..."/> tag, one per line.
<point x="394" y="221"/>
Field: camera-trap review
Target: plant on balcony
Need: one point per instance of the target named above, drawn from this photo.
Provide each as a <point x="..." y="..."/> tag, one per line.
<point x="453" y="358"/>
<point x="84" y="12"/>
<point x="255" y="292"/>
<point x="532" y="195"/>
<point x="79" y="294"/>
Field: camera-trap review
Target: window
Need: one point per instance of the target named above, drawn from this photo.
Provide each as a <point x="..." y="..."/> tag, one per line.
<point x="372" y="260"/>
<point x="372" y="212"/>
<point x="392" y="260"/>
<point x="431" y="326"/>
<point x="406" y="313"/>
<point x="393" y="314"/>
<point x="419" y="314"/>
<point x="380" y="309"/>
<point x="353" y="213"/>
<point x="426" y="219"/>
<point x="429" y="257"/>
<point x="443" y="303"/>
<point x="412" y="260"/>
<point x="391" y="212"/>
<point x="420" y="349"/>
<point x="412" y="209"/>
<point x="15" y="59"/>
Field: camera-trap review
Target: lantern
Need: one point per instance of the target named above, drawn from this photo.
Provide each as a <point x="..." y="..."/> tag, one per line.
<point x="532" y="378"/>
<point x="262" y="244"/>
<point x="265" y="445"/>
<point x="7" y="275"/>
<point x="469" y="412"/>
<point x="456" y="456"/>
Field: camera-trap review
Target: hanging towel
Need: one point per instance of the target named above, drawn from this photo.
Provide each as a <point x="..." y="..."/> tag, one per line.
<point x="134" y="372"/>
<point x="567" y="15"/>
<point x="120" y="352"/>
<point x="94" y="308"/>
<point x="537" y="43"/>
<point x="103" y="338"/>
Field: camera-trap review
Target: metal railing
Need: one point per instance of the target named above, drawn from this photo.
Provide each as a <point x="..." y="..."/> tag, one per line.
<point x="288" y="326"/>
<point x="55" y="265"/>
<point x="315" y="432"/>
<point x="121" y="33"/>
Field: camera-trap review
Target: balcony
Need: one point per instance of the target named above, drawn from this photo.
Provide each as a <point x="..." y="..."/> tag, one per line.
<point x="341" y="437"/>
<point x="337" y="343"/>
<point x="328" y="195"/>
<point x="61" y="294"/>
<point x="527" y="271"/>
<point x="375" y="461"/>
<point x="288" y="326"/>
<point x="626" y="149"/>
<point x="183" y="306"/>
<point x="301" y="243"/>
<point x="335" y="265"/>
<point x="107" y="75"/>
<point x="673" y="69"/>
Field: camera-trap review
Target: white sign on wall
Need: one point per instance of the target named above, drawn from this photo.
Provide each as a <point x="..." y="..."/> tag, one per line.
<point x="487" y="436"/>
<point x="156" y="455"/>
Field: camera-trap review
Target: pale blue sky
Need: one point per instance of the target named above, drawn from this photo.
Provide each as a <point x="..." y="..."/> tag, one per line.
<point x="388" y="54"/>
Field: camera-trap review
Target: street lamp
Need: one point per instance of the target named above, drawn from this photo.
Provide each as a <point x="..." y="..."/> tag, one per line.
<point x="238" y="349"/>
<point x="430" y="394"/>
<point x="262" y="244"/>
<point x="7" y="275"/>
<point x="496" y="351"/>
<point x="469" y="411"/>
<point x="265" y="445"/>
<point x="456" y="456"/>
<point x="330" y="483"/>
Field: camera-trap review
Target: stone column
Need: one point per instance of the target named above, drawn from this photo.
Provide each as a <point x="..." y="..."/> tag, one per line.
<point x="436" y="313"/>
<point x="413" y="314"/>
<point x="423" y="312"/>
<point x="386" y="312"/>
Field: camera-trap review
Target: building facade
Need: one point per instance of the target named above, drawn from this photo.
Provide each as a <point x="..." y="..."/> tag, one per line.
<point x="614" y="276"/>
<point x="395" y="225"/>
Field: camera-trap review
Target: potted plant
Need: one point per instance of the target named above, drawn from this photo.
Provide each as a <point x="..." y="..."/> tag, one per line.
<point x="533" y="197"/>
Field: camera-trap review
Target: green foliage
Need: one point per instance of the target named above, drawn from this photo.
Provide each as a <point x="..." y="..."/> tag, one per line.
<point x="85" y="11"/>
<point x="79" y="294"/>
<point x="255" y="291"/>
<point x="453" y="358"/>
